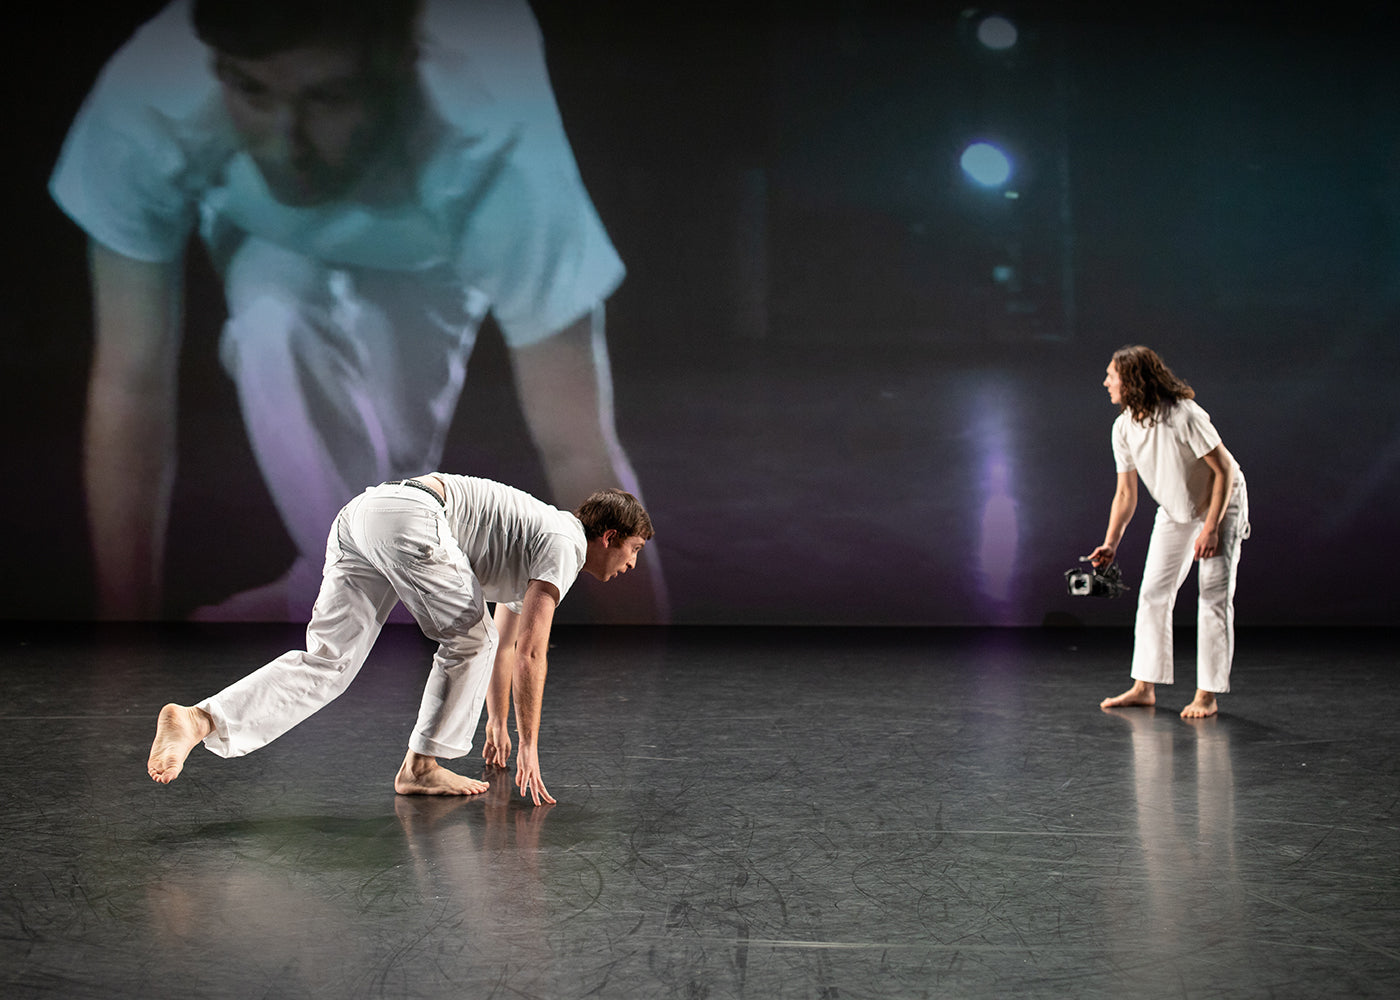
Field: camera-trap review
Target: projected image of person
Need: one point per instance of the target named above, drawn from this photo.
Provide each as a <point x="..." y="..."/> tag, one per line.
<point x="370" y="180"/>
<point x="444" y="545"/>
<point x="1165" y="438"/>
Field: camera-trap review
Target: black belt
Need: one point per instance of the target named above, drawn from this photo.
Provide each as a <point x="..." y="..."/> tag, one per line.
<point x="420" y="486"/>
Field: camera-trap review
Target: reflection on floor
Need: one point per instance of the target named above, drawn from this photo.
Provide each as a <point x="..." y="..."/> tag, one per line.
<point x="742" y="813"/>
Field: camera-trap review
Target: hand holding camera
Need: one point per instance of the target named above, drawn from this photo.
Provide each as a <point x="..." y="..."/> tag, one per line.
<point x="1096" y="582"/>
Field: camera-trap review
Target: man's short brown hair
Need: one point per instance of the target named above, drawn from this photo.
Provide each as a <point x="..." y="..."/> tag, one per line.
<point x="614" y="510"/>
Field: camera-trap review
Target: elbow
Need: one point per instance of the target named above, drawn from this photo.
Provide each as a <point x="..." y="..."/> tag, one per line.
<point x="531" y="662"/>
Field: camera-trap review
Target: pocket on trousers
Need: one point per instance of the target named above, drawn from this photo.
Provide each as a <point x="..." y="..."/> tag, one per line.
<point x="430" y="566"/>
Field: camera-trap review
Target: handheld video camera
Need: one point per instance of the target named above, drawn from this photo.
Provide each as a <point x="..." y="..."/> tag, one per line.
<point x="1106" y="582"/>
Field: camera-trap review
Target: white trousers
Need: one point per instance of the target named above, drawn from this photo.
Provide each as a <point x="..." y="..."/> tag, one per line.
<point x="391" y="543"/>
<point x="1169" y="558"/>
<point x="345" y="377"/>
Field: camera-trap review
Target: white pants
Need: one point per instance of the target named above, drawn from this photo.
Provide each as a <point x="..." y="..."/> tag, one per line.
<point x="1169" y="558"/>
<point x="345" y="377"/>
<point x="391" y="543"/>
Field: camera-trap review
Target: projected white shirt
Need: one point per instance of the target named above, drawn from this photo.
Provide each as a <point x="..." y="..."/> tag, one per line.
<point x="496" y="198"/>
<point x="1167" y="456"/>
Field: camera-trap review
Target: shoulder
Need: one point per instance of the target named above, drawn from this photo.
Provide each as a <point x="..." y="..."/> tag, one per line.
<point x="573" y="530"/>
<point x="162" y="67"/>
<point x="482" y="63"/>
<point x="1192" y="409"/>
<point x="562" y="529"/>
<point x="477" y="24"/>
<point x="1186" y="413"/>
<point x="559" y="533"/>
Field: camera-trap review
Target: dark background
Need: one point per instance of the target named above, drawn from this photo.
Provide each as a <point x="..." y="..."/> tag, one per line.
<point x="838" y="413"/>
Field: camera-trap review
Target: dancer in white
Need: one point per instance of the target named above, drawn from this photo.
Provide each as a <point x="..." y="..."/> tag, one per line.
<point x="1164" y="437"/>
<point x="444" y="545"/>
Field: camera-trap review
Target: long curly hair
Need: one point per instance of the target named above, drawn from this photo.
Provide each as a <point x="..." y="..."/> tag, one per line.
<point x="1149" y="386"/>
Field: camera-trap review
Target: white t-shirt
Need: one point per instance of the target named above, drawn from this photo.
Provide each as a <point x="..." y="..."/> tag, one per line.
<point x="497" y="198"/>
<point x="511" y="538"/>
<point x="1168" y="457"/>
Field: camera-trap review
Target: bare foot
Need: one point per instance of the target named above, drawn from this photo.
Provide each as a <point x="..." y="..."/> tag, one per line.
<point x="1202" y="706"/>
<point x="178" y="730"/>
<point x="1141" y="693"/>
<point x="420" y="775"/>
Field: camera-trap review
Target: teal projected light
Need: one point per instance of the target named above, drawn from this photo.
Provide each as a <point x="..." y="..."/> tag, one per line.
<point x="986" y="165"/>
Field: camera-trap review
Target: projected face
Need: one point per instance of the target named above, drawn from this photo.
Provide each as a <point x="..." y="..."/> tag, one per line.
<point x="1114" y="384"/>
<point x="308" y="116"/>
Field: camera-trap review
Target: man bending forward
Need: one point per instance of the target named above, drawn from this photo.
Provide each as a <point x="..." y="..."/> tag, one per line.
<point x="444" y="545"/>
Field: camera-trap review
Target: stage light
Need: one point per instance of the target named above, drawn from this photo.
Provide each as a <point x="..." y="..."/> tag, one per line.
<point x="986" y="164"/>
<point x="997" y="33"/>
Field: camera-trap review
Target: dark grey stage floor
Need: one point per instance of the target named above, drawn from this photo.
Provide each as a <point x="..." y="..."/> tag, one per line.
<point x="742" y="813"/>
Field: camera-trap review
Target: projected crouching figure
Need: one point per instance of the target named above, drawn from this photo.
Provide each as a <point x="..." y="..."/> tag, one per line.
<point x="370" y="181"/>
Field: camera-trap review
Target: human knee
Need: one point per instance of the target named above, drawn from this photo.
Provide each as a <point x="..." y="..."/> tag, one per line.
<point x="273" y="332"/>
<point x="472" y="627"/>
<point x="1156" y="602"/>
<point x="281" y="306"/>
<point x="260" y="270"/>
<point x="1215" y="583"/>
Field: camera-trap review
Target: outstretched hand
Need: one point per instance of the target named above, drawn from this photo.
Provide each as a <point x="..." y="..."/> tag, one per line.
<point x="496" y="751"/>
<point x="527" y="776"/>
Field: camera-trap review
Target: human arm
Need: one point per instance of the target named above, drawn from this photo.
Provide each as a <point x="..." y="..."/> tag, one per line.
<point x="129" y="430"/>
<point x="1119" y="514"/>
<point x="1222" y="468"/>
<point x="496" y="751"/>
<point x="529" y="653"/>
<point x="565" y="387"/>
